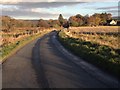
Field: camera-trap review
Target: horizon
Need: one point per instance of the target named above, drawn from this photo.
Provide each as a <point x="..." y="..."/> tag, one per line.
<point x="50" y="18"/>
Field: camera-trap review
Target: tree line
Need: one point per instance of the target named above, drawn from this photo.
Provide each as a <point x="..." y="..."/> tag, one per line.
<point x="75" y="21"/>
<point x="93" y="20"/>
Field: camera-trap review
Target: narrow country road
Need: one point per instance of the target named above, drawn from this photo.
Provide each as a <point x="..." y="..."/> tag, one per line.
<point x="44" y="63"/>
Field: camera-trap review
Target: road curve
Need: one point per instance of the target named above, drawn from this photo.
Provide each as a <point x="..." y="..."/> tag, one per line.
<point x="44" y="63"/>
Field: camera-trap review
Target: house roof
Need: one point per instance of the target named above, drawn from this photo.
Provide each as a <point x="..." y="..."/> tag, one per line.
<point x="108" y="21"/>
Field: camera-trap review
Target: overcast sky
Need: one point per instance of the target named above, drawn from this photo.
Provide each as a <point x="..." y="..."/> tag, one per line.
<point x="50" y="9"/>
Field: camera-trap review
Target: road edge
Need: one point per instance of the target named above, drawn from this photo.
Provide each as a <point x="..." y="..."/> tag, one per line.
<point x="103" y="77"/>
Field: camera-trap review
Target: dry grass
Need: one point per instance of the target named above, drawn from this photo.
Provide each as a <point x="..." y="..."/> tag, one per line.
<point x="10" y="48"/>
<point x="96" y="29"/>
<point x="18" y="34"/>
<point x="102" y="39"/>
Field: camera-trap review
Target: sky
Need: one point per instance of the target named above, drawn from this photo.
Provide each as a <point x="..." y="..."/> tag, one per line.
<point x="50" y="9"/>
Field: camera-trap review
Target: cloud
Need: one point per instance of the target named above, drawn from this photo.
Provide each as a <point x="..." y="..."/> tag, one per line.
<point x="30" y="12"/>
<point x="105" y="8"/>
<point x="31" y="15"/>
<point x="25" y="5"/>
<point x="17" y="1"/>
<point x="27" y="13"/>
<point x="29" y="5"/>
<point x="113" y="11"/>
<point x="35" y="9"/>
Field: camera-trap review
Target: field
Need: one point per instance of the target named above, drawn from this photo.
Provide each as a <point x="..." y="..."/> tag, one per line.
<point x="97" y="45"/>
<point x="102" y="35"/>
<point x="11" y="41"/>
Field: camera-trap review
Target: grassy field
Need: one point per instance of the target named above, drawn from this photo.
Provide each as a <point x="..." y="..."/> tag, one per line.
<point x="11" y="44"/>
<point x="107" y="35"/>
<point x="104" y="29"/>
<point x="101" y="49"/>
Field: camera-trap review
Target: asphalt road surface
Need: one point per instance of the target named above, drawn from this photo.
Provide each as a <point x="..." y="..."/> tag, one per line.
<point x="44" y="63"/>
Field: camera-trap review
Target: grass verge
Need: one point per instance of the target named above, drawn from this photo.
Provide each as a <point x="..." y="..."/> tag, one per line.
<point x="104" y="57"/>
<point x="11" y="49"/>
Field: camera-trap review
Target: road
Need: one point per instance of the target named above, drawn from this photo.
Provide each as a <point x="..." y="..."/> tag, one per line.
<point x="44" y="63"/>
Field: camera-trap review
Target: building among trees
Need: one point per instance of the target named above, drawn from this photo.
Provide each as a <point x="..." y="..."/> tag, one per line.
<point x="111" y="22"/>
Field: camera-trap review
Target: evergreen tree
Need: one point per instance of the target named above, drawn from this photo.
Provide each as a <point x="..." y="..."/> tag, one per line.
<point x="61" y="20"/>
